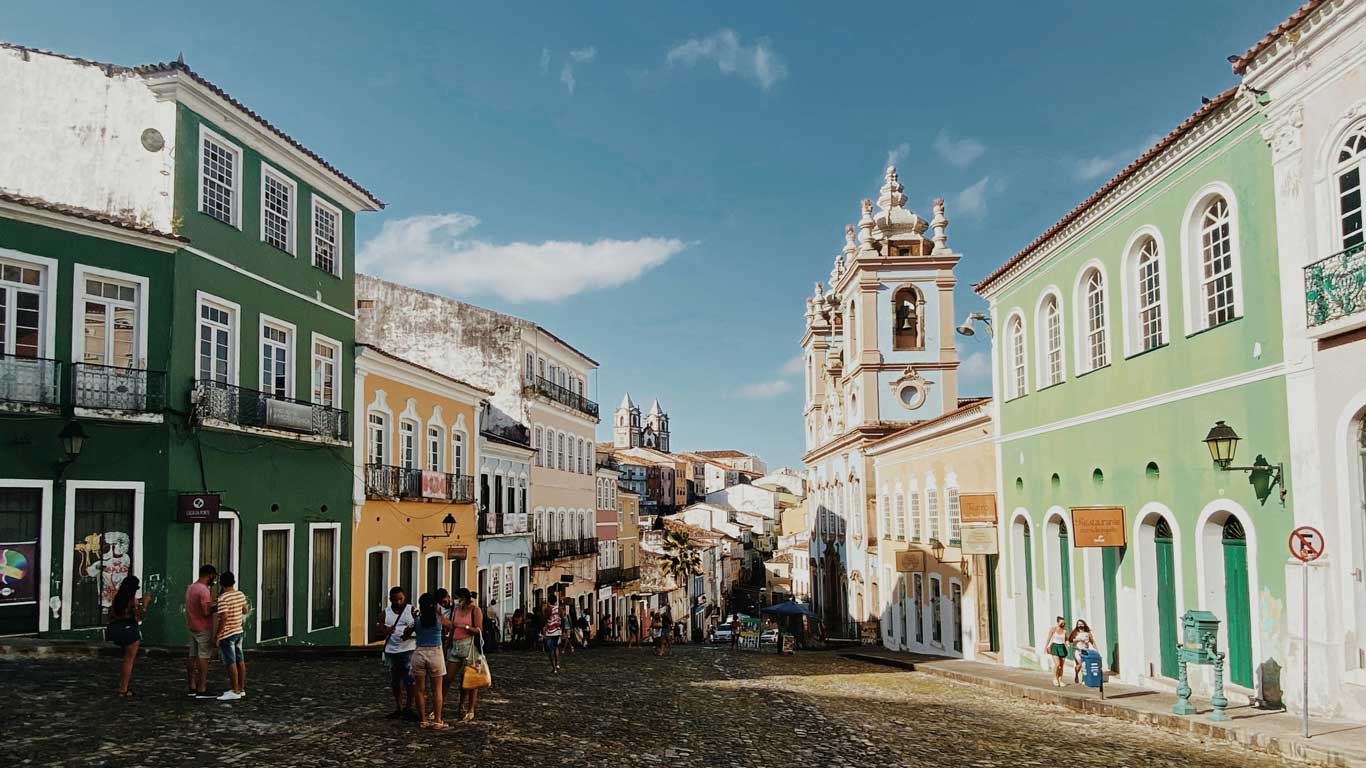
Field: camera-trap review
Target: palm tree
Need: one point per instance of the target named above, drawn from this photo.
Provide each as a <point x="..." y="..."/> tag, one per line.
<point x="681" y="561"/>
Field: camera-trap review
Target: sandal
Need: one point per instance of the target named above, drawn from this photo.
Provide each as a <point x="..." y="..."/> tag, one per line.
<point x="438" y="725"/>
<point x="128" y="694"/>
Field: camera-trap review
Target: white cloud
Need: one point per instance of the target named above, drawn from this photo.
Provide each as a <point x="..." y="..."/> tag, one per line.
<point x="793" y="366"/>
<point x="898" y="153"/>
<point x="1096" y="166"/>
<point x="573" y="59"/>
<point x="435" y="252"/>
<point x="975" y="365"/>
<point x="757" y="62"/>
<point x="960" y="152"/>
<point x="584" y="54"/>
<point x="567" y="76"/>
<point x="545" y="60"/>
<point x="765" y="389"/>
<point x="973" y="200"/>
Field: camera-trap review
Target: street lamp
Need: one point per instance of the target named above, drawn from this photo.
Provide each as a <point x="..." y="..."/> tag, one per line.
<point x="447" y="525"/>
<point x="966" y="327"/>
<point x="73" y="440"/>
<point x="1222" y="442"/>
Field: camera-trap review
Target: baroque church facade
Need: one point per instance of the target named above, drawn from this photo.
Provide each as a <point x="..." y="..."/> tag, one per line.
<point x="628" y="430"/>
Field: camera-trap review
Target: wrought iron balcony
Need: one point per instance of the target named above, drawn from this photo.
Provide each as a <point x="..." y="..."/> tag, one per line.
<point x="108" y="388"/>
<point x="607" y="576"/>
<point x="543" y="552"/>
<point x="498" y="524"/>
<point x="30" y="381"/>
<point x="251" y="408"/>
<point x="513" y="433"/>
<point x="386" y="482"/>
<point x="1335" y="287"/>
<point x="566" y="397"/>
<point x="629" y="574"/>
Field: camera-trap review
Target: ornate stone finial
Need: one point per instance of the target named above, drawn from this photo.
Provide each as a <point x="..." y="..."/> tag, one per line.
<point x="865" y="226"/>
<point x="850" y="241"/>
<point x="891" y="195"/>
<point x="819" y="294"/>
<point x="940" y="223"/>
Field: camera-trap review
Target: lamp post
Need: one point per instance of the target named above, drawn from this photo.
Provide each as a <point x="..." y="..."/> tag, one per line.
<point x="447" y="525"/>
<point x="1222" y="442"/>
<point x="73" y="440"/>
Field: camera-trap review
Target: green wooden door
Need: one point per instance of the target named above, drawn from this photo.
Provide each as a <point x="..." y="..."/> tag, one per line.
<point x="1110" y="558"/>
<point x="1166" y="598"/>
<point x="376" y="578"/>
<point x="274" y="584"/>
<point x="993" y="620"/>
<point x="1029" y="588"/>
<point x="1065" y="572"/>
<point x="1236" y="599"/>
<point x="322" y="581"/>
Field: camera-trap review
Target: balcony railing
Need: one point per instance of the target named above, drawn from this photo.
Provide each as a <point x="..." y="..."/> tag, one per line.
<point x="513" y="433"/>
<point x="498" y="524"/>
<point x="550" y="551"/>
<point x="251" y="408"/>
<point x="607" y="576"/>
<point x="34" y="381"/>
<point x="385" y="482"/>
<point x="108" y="388"/>
<point x="563" y="396"/>
<point x="629" y="574"/>
<point x="1335" y="287"/>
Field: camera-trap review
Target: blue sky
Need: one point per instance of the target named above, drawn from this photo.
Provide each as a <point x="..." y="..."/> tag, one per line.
<point x="662" y="185"/>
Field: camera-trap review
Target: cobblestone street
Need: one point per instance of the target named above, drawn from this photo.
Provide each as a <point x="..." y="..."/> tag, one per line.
<point x="614" y="706"/>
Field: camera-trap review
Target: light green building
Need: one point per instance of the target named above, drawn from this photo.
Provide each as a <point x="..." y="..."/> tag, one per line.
<point x="1122" y="335"/>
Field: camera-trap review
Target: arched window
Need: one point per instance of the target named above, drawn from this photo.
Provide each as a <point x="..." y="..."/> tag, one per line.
<point x="540" y="447"/>
<point x="1049" y="325"/>
<point x="886" y="517"/>
<point x="1095" y="339"/>
<point x="850" y="335"/>
<point x="917" y="532"/>
<point x="1351" y="157"/>
<point x="1216" y="263"/>
<point x="908" y="319"/>
<point x="1015" y="358"/>
<point x="932" y="511"/>
<point x="436" y="448"/>
<point x="1150" y="327"/>
<point x="900" y="516"/>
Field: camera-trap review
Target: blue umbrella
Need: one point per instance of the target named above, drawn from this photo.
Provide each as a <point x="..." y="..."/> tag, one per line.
<point x="789" y="608"/>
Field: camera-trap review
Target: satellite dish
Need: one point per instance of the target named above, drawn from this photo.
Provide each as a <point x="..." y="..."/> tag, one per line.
<point x="152" y="140"/>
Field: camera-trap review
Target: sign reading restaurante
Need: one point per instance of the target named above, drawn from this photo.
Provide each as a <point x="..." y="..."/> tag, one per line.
<point x="1098" y="526"/>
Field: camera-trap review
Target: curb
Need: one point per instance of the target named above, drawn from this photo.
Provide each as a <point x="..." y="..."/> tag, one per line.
<point x="1290" y="747"/>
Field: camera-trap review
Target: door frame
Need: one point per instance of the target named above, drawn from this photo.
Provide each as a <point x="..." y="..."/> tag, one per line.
<point x="1210" y="542"/>
<point x="69" y="531"/>
<point x="223" y="514"/>
<point x="44" y="595"/>
<point x="261" y="530"/>
<point x="336" y="574"/>
<point x="1144" y="560"/>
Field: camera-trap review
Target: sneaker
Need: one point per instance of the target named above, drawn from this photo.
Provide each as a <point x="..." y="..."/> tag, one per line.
<point x="230" y="696"/>
<point x="242" y="694"/>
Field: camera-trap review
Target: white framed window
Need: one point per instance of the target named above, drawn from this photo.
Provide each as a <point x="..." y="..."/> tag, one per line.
<point x="917" y="518"/>
<point x="1093" y="334"/>
<point x="1210" y="259"/>
<point x="900" y="514"/>
<point x="436" y="448"/>
<point x="572" y="455"/>
<point x="540" y="446"/>
<point x="457" y="452"/>
<point x="220" y="177"/>
<point x="326" y="383"/>
<point x="26" y="285"/>
<point x="407" y="444"/>
<point x="1216" y="263"/>
<point x="955" y="513"/>
<point x="885" y="508"/>
<point x="277" y="357"/>
<point x="585" y="466"/>
<point x="327" y="237"/>
<point x="1145" y="292"/>
<point x="559" y="451"/>
<point x="217" y="353"/>
<point x="1347" y="189"/>
<point x="1048" y="323"/>
<point x="1015" y="357"/>
<point x="376" y="438"/>
<point x="279" y="195"/>
<point x="324" y="575"/>
<point x="932" y="512"/>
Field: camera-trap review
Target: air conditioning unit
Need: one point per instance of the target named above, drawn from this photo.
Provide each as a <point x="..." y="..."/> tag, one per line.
<point x="295" y="417"/>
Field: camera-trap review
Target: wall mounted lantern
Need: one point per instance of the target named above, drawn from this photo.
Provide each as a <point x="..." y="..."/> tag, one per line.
<point x="447" y="525"/>
<point x="73" y="440"/>
<point x="1222" y="442"/>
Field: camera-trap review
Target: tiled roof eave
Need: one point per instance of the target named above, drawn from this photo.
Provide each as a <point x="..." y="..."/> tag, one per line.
<point x="1269" y="40"/>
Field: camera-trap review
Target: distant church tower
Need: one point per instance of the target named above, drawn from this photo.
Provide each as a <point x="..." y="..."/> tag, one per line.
<point x="657" y="428"/>
<point x="626" y="427"/>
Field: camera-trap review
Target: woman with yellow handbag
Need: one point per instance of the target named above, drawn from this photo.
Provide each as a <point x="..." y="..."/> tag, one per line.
<point x="477" y="676"/>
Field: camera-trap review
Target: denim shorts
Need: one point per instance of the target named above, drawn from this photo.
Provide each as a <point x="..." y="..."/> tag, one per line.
<point x="551" y="643"/>
<point x="400" y="668"/>
<point x="231" y="648"/>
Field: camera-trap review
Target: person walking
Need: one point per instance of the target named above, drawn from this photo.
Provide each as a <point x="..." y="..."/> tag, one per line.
<point x="517" y="626"/>
<point x="657" y="632"/>
<point x="1081" y="640"/>
<point x="535" y="628"/>
<point x="228" y="616"/>
<point x="124" y="630"/>
<point x="552" y="631"/>
<point x="199" y="621"/>
<point x="466" y="620"/>
<point x="667" y="617"/>
<point x="1055" y="641"/>
<point x="398" y="627"/>
<point x="632" y="630"/>
<point x="428" y="660"/>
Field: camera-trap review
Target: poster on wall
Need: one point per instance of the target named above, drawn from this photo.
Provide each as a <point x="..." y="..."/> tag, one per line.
<point x="508" y="582"/>
<point x="979" y="539"/>
<point x="18" y="561"/>
<point x="496" y="588"/>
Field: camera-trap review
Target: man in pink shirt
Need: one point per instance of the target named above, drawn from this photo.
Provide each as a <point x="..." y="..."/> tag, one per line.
<point x="199" y="620"/>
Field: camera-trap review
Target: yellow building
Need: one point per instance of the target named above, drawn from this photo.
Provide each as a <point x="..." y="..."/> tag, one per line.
<point x="933" y="481"/>
<point x="414" y="495"/>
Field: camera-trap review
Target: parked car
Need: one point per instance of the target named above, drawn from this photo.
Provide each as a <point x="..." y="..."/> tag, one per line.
<point x="722" y="634"/>
<point x="769" y="637"/>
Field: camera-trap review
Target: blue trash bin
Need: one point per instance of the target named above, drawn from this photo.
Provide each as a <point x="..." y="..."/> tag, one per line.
<point x="1092" y="669"/>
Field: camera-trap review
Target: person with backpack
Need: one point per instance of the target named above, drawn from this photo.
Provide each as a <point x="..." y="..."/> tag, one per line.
<point x="398" y="625"/>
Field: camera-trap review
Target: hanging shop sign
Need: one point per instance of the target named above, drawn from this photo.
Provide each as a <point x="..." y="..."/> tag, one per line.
<point x="197" y="507"/>
<point x="978" y="539"/>
<point x="910" y="561"/>
<point x="457" y="553"/>
<point x="1098" y="527"/>
<point x="977" y="507"/>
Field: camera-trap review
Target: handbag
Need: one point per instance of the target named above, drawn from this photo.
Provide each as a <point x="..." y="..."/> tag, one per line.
<point x="384" y="657"/>
<point x="477" y="674"/>
<point x="122" y="632"/>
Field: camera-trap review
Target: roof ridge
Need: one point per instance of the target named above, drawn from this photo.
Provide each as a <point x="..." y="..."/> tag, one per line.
<point x="88" y="214"/>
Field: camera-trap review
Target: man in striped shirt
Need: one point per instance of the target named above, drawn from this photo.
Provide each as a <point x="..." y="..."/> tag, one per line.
<point x="227" y="619"/>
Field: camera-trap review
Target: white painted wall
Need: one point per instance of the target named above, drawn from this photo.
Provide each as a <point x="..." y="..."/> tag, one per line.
<point x="71" y="133"/>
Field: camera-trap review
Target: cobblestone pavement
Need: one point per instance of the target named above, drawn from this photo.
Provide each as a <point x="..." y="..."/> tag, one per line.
<point x="610" y="706"/>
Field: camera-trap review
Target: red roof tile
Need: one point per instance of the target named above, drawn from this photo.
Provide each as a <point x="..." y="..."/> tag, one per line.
<point x="1241" y="63"/>
<point x="87" y="214"/>
<point x="1200" y="114"/>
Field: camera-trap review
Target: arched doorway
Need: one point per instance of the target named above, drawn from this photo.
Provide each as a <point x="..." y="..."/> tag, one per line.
<point x="1064" y="572"/>
<point x="1164" y="561"/>
<point x="1237" y="608"/>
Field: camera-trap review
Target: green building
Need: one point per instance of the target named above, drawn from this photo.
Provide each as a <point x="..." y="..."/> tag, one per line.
<point x="176" y="336"/>
<point x="1122" y="335"/>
